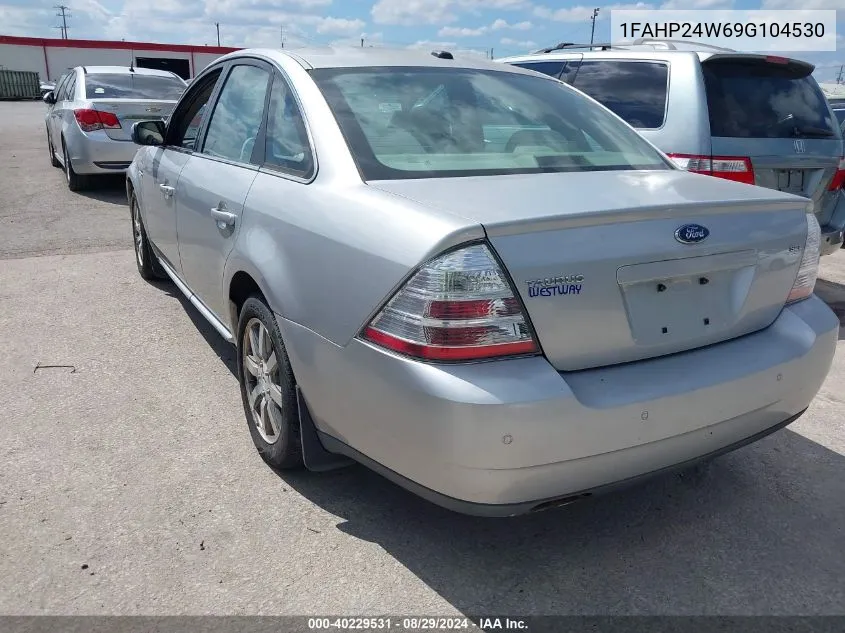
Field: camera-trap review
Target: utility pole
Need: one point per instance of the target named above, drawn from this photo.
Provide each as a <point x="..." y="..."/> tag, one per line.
<point x="282" y="32"/>
<point x="839" y="76"/>
<point x="217" y="24"/>
<point x="593" y="31"/>
<point x="64" y="16"/>
<point x="491" y="53"/>
<point x="362" y="42"/>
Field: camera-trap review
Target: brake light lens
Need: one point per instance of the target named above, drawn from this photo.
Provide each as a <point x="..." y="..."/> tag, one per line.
<point x="736" y="168"/>
<point x="91" y="120"/>
<point x="808" y="271"/>
<point x="459" y="306"/>
<point x="838" y="181"/>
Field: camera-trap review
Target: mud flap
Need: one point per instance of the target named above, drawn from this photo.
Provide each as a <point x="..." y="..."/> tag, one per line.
<point x="314" y="454"/>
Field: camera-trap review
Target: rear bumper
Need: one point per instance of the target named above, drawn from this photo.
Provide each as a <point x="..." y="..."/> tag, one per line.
<point x="498" y="438"/>
<point x="96" y="153"/>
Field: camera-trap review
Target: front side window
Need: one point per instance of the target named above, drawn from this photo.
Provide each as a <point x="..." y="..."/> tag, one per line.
<point x="426" y="122"/>
<point x="237" y="116"/>
<point x="190" y="113"/>
<point x="133" y="86"/>
<point x="636" y="91"/>
<point x="287" y="147"/>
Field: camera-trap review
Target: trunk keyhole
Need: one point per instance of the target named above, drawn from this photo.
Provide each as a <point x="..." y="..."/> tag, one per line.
<point x="703" y="281"/>
<point x="665" y="330"/>
<point x="706" y="321"/>
<point x="660" y="287"/>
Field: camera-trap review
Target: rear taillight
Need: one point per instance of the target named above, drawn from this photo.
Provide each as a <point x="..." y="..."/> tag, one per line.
<point x="838" y="181"/>
<point x="91" y="120"/>
<point x="808" y="271"/>
<point x="459" y="306"/>
<point x="736" y="168"/>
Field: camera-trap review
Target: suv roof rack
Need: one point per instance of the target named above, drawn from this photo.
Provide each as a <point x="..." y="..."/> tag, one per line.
<point x="667" y="44"/>
<point x="566" y="45"/>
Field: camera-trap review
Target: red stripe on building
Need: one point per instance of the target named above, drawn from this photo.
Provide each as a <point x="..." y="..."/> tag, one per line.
<point x="129" y="46"/>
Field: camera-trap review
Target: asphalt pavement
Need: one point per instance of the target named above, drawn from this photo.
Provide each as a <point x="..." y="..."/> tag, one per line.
<point x="129" y="484"/>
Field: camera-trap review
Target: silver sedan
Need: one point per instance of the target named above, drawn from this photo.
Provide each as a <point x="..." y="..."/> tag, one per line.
<point x="90" y="113"/>
<point x="473" y="278"/>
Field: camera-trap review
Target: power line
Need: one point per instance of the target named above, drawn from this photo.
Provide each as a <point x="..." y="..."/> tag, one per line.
<point x="62" y="13"/>
<point x="593" y="30"/>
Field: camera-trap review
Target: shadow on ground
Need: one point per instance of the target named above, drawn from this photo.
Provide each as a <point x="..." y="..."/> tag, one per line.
<point x="109" y="189"/>
<point x="758" y="531"/>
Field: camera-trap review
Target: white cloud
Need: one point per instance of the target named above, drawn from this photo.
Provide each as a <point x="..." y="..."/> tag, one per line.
<point x="442" y="12"/>
<point x="807" y="4"/>
<point x="581" y="13"/>
<point x="697" y="4"/>
<point x="500" y="24"/>
<point x="340" y="26"/>
<point x="452" y="31"/>
<point x="507" y="41"/>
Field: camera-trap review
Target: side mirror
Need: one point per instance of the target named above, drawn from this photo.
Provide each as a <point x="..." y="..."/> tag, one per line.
<point x="148" y="132"/>
<point x="49" y="98"/>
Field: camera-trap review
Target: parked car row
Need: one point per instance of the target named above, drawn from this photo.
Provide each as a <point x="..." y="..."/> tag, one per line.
<point x="480" y="282"/>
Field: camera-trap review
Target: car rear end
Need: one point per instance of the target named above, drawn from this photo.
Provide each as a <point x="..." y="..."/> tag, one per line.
<point x="112" y="101"/>
<point x="611" y="316"/>
<point x="770" y="125"/>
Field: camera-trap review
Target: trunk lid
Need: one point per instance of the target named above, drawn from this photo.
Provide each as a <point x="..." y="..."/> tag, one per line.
<point x="602" y="276"/>
<point x="129" y="111"/>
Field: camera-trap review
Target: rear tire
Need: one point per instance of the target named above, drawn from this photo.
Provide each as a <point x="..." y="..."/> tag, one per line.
<point x="53" y="160"/>
<point x="75" y="182"/>
<point x="148" y="265"/>
<point x="268" y="387"/>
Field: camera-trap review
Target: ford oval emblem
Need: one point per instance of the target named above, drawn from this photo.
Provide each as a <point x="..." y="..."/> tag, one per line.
<point x="691" y="233"/>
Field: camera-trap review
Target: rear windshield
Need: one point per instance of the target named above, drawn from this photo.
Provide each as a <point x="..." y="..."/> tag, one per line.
<point x="133" y="86"/>
<point x="765" y="100"/>
<point x="422" y="122"/>
<point x="636" y="91"/>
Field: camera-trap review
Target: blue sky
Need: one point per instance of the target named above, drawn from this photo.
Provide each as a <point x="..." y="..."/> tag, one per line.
<point x="507" y="27"/>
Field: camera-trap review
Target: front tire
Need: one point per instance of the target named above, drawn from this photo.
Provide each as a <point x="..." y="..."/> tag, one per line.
<point x="268" y="387"/>
<point x="145" y="259"/>
<point x="75" y="182"/>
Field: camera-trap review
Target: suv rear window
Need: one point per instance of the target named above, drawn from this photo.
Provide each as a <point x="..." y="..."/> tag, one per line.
<point x="636" y="91"/>
<point x="133" y="86"/>
<point x="765" y="100"/>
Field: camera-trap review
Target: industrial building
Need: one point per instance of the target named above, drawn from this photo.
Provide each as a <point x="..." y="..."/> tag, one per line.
<point x="50" y="58"/>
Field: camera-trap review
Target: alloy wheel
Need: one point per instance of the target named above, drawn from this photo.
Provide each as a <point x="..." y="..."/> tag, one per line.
<point x="137" y="234"/>
<point x="262" y="382"/>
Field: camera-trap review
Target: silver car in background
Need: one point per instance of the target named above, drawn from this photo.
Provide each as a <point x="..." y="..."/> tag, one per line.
<point x="472" y="278"/>
<point x="90" y="115"/>
<point x="757" y="119"/>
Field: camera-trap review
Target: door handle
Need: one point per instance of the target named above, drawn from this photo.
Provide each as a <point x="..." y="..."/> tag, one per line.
<point x="223" y="218"/>
<point x="167" y="190"/>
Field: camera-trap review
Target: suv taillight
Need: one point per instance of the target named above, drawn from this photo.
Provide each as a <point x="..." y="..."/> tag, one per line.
<point x="91" y="120"/>
<point x="736" y="168"/>
<point x="808" y="271"/>
<point x="459" y="306"/>
<point x="838" y="181"/>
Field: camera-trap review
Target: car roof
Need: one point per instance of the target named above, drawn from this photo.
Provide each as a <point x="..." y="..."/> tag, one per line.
<point x="124" y="70"/>
<point x="353" y="57"/>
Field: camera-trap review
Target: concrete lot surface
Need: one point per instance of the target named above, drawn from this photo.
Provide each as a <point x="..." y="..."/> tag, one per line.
<point x="129" y="484"/>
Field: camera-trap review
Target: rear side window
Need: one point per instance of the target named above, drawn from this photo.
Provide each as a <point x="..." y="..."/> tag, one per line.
<point x="550" y="68"/>
<point x="133" y="86"/>
<point x="765" y="100"/>
<point x="636" y="91"/>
